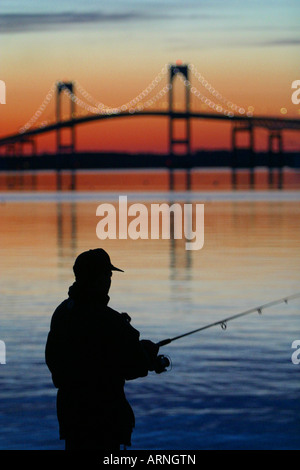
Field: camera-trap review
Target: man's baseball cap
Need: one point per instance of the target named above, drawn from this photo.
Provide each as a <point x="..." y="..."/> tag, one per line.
<point x="91" y="263"/>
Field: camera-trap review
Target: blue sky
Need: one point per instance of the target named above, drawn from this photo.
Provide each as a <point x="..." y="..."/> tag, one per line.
<point x="277" y="20"/>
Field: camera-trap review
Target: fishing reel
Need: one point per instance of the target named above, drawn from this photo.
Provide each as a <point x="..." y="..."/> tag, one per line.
<point x="162" y="364"/>
<point x="157" y="363"/>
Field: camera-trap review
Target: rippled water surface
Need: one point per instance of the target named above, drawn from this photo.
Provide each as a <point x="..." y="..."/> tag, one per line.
<point x="229" y="389"/>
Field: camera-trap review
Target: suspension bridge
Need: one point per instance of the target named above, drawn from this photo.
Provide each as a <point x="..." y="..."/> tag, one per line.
<point x="217" y="108"/>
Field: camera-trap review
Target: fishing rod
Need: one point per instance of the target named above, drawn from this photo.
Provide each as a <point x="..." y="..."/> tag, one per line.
<point x="223" y="323"/>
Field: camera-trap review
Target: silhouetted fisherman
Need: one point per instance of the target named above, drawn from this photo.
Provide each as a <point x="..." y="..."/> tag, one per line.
<point x="91" y="350"/>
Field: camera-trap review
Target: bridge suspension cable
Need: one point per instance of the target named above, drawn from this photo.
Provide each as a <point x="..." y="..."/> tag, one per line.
<point x="39" y="111"/>
<point x="130" y="104"/>
<point x="205" y="100"/>
<point x="135" y="104"/>
<point x="118" y="110"/>
<point x="208" y="86"/>
<point x="138" y="103"/>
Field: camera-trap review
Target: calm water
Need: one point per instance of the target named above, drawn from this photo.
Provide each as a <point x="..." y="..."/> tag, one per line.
<point x="227" y="389"/>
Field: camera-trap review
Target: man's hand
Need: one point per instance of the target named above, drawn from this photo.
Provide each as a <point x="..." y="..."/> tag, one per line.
<point x="151" y="349"/>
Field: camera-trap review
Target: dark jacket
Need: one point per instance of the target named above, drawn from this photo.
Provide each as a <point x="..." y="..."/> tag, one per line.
<point x="91" y="350"/>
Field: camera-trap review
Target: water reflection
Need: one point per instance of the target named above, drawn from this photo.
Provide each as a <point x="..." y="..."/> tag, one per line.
<point x="250" y="256"/>
<point x="180" y="258"/>
<point x="204" y="179"/>
<point x="66" y="230"/>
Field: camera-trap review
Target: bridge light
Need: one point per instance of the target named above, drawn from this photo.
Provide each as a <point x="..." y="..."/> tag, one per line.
<point x="283" y="110"/>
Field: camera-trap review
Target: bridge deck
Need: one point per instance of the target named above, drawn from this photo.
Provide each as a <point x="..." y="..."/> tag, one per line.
<point x="270" y="123"/>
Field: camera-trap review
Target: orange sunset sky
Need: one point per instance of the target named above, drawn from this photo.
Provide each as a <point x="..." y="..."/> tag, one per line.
<point x="248" y="51"/>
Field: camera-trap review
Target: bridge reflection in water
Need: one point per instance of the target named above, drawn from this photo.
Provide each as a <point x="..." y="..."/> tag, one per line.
<point x="148" y="180"/>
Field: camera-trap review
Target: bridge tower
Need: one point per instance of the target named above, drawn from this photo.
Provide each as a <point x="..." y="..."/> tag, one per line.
<point x="60" y="147"/>
<point x="174" y="70"/>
